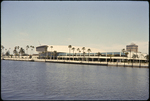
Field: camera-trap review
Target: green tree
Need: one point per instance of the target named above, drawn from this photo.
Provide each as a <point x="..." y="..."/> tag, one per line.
<point x="2" y="48"/>
<point x="84" y="55"/>
<point x="110" y="55"/>
<point x="55" y="54"/>
<point x="78" y="49"/>
<point x="7" y="53"/>
<point x="17" y="48"/>
<point x="32" y="47"/>
<point x="15" y="51"/>
<point x="123" y="50"/>
<point x="89" y="50"/>
<point x="147" y="57"/>
<point x="27" y="47"/>
<point x="11" y="55"/>
<point x="73" y="52"/>
<point x="45" y="51"/>
<point x="130" y="55"/>
<point x="22" y="52"/>
<point x="83" y="48"/>
<point x="126" y="53"/>
<point x="99" y="54"/>
<point x="133" y="56"/>
<point x="51" y="51"/>
<point x="69" y="50"/>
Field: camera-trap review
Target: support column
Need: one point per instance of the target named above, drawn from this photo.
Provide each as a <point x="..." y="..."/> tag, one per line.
<point x="120" y="56"/>
<point x="106" y="56"/>
<point x="112" y="54"/>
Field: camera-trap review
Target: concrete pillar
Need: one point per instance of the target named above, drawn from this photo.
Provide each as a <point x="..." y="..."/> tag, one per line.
<point x="120" y="56"/>
<point x="113" y="59"/>
<point x="106" y="56"/>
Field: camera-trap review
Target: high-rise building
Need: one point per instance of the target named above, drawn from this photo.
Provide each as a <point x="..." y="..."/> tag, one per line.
<point x="133" y="47"/>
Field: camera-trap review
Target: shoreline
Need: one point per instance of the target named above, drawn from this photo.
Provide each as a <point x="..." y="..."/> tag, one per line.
<point x="113" y="64"/>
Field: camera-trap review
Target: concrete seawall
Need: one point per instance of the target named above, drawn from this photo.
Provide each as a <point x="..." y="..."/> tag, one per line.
<point x="114" y="64"/>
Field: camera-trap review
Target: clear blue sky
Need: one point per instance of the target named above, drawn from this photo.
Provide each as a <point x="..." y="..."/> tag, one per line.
<point x="107" y="25"/>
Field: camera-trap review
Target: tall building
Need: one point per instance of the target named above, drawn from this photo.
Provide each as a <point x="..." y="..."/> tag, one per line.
<point x="133" y="47"/>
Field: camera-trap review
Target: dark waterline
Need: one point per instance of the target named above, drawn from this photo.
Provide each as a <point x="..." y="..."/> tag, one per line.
<point x="22" y="80"/>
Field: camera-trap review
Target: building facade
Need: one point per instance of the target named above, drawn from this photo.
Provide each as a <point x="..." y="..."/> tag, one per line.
<point x="133" y="47"/>
<point x="65" y="53"/>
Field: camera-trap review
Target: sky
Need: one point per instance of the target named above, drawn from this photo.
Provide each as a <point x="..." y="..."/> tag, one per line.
<point x="105" y="25"/>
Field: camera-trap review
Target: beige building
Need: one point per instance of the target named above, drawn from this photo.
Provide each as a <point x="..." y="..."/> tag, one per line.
<point x="133" y="47"/>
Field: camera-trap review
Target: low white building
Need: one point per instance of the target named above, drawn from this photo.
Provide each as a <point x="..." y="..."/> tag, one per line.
<point x="63" y="52"/>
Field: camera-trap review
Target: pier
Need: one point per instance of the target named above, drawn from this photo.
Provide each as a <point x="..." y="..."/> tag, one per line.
<point x="113" y="64"/>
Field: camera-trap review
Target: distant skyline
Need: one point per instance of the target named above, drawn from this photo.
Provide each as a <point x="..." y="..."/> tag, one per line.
<point x="105" y="25"/>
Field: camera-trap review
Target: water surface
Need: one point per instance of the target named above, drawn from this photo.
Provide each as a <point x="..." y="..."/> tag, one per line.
<point x="22" y="80"/>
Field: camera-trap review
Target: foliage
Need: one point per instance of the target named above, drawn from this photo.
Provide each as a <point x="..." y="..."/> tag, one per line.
<point x="27" y="48"/>
<point x="30" y="56"/>
<point x="7" y="53"/>
<point x="55" y="53"/>
<point x="126" y="53"/>
<point x="69" y="46"/>
<point x="22" y="52"/>
<point x="11" y="55"/>
<point x="83" y="48"/>
<point x="15" y="51"/>
<point x="73" y="50"/>
<point x="99" y="54"/>
<point x="89" y="50"/>
<point x="147" y="57"/>
<point x="134" y="56"/>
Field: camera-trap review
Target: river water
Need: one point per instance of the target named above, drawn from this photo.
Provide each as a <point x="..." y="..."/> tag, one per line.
<point x="22" y="80"/>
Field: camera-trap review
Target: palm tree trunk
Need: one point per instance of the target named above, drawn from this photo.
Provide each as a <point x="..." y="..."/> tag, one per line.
<point x="124" y="62"/>
<point x="100" y="59"/>
<point x="73" y="55"/>
<point x="88" y="59"/>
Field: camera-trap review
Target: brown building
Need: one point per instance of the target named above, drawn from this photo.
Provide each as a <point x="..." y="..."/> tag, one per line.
<point x="133" y="47"/>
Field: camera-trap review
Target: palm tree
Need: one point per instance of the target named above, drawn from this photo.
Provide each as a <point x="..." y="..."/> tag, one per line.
<point x="2" y="48"/>
<point x="21" y="51"/>
<point x="84" y="55"/>
<point x="123" y="50"/>
<point x="99" y="54"/>
<point x="27" y="48"/>
<point x="130" y="55"/>
<point x="15" y="51"/>
<point x="69" y="50"/>
<point x="17" y="47"/>
<point x="133" y="56"/>
<point x="147" y="57"/>
<point x="32" y="47"/>
<point x="73" y="52"/>
<point x="126" y="54"/>
<point x="110" y="55"/>
<point x="83" y="48"/>
<point x="89" y="50"/>
<point x="45" y="49"/>
<point x="55" y="54"/>
<point x="5" y="51"/>
<point x="51" y="51"/>
<point x="9" y="49"/>
<point x="79" y="51"/>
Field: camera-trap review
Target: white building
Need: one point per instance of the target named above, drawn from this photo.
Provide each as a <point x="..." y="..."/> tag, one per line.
<point x="62" y="52"/>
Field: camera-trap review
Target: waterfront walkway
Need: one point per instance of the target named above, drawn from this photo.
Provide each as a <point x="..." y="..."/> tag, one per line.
<point x="116" y="64"/>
